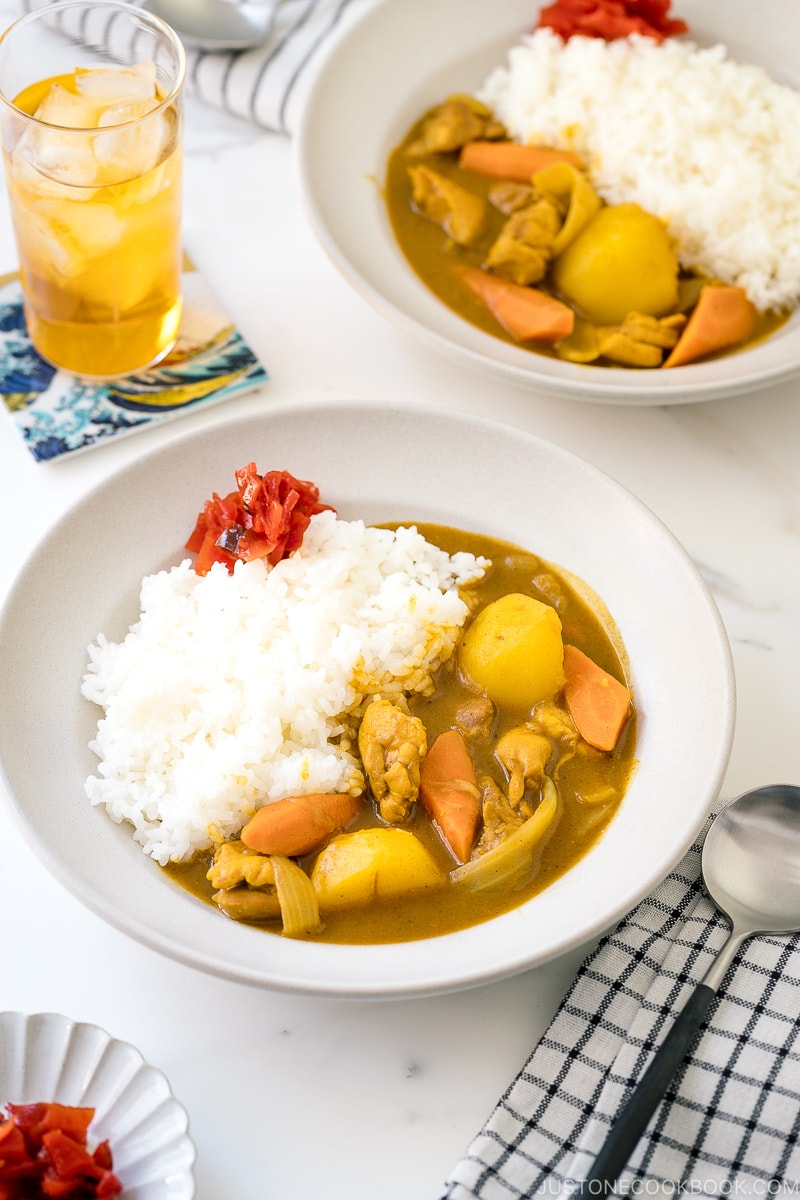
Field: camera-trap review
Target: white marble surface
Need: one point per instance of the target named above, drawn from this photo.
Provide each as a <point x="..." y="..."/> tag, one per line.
<point x="335" y="1099"/>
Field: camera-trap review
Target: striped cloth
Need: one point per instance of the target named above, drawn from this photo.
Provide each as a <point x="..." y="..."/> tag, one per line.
<point x="730" y="1122"/>
<point x="264" y="85"/>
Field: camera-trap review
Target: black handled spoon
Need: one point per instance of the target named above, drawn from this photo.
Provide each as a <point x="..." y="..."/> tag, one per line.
<point x="751" y="870"/>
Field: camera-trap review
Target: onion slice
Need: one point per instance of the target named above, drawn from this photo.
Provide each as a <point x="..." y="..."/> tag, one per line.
<point x="508" y="864"/>
<point x="297" y="898"/>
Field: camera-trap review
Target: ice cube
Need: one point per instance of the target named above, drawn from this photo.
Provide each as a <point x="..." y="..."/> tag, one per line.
<point x="71" y="238"/>
<point x="51" y="150"/>
<point x="47" y="253"/>
<point x="119" y="114"/>
<point x="67" y="158"/>
<point x="153" y="183"/>
<point x="26" y="174"/>
<point x="112" y="85"/>
<point x="132" y="150"/>
<point x="67" y="109"/>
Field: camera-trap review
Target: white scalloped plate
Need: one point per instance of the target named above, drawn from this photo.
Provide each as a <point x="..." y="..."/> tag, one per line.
<point x="48" y="1058"/>
<point x="402" y="57"/>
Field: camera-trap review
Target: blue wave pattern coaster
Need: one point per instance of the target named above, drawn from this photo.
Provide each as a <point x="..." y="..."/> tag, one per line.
<point x="58" y="413"/>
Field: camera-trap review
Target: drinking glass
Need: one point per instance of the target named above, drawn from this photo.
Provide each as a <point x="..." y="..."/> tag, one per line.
<point x="92" y="129"/>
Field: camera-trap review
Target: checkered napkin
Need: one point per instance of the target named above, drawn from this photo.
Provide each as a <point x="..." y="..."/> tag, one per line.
<point x="264" y="85"/>
<point x="730" y="1121"/>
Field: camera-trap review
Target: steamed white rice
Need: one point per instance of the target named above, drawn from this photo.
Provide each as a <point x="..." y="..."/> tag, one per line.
<point x="231" y="691"/>
<point x="707" y="144"/>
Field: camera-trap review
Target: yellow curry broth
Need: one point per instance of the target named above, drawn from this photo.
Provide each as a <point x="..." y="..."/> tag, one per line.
<point x="425" y="244"/>
<point x="451" y="907"/>
<point x="434" y="257"/>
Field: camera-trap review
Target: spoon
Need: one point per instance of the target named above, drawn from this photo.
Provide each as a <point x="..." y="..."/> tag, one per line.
<point x="218" y="24"/>
<point x="751" y="870"/>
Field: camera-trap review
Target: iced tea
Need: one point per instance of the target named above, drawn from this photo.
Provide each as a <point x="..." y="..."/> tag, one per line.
<point x="97" y="219"/>
<point x="91" y="121"/>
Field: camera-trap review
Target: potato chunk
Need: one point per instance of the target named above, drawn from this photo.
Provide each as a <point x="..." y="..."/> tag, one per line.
<point x="514" y="652"/>
<point x="356" y="868"/>
<point x="622" y="261"/>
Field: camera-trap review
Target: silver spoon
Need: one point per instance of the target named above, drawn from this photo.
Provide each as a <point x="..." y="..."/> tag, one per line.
<point x="218" y="24"/>
<point x="751" y="870"/>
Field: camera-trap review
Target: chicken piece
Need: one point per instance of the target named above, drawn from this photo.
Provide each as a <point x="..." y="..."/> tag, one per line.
<point x="461" y="214"/>
<point x="509" y="196"/>
<point x="233" y="864"/>
<point x="475" y="717"/>
<point x="655" y="331"/>
<point x="524" y="755"/>
<point x="499" y="816"/>
<point x="524" y="248"/>
<point x="626" y="350"/>
<point x="449" y="126"/>
<point x="392" y="745"/>
<point x="553" y="721"/>
<point x="245" y="904"/>
<point x="640" y="340"/>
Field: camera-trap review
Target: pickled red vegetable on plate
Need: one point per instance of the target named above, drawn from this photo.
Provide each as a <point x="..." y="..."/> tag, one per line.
<point x="44" y="1152"/>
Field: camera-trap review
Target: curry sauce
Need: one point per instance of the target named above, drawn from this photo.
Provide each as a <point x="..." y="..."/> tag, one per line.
<point x="436" y="258"/>
<point x="581" y="778"/>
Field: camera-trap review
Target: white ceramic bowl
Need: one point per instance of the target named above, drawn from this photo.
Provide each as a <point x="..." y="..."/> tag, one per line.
<point x="379" y="464"/>
<point x="45" y="1057"/>
<point x="404" y="56"/>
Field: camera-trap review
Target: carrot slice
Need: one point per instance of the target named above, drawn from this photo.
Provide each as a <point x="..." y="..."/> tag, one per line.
<point x="449" y="792"/>
<point x="299" y="824"/>
<point x="527" y="314"/>
<point x="722" y="317"/>
<point x="598" y="703"/>
<point x="511" y="160"/>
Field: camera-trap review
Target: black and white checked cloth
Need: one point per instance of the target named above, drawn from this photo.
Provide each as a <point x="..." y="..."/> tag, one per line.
<point x="264" y="85"/>
<point x="730" y="1121"/>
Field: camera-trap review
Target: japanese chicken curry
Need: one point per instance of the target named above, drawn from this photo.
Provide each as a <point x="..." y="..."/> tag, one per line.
<point x="478" y="795"/>
<point x="515" y="240"/>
